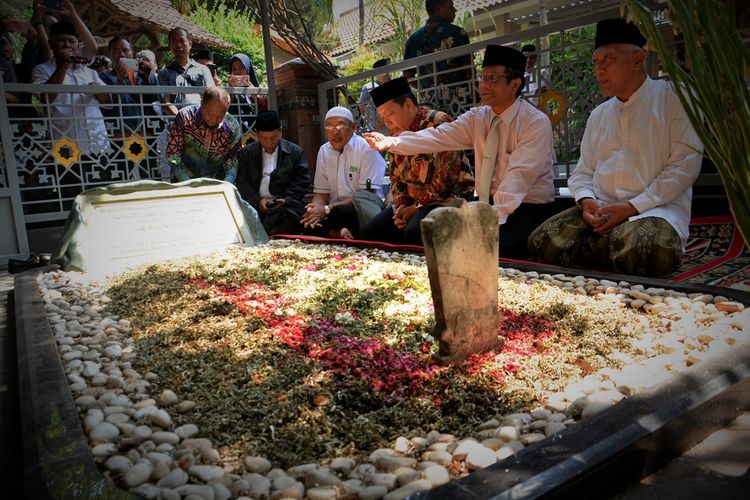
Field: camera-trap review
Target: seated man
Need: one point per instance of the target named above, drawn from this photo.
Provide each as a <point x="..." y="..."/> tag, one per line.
<point x="632" y="184"/>
<point x="345" y="164"/>
<point x="512" y="143"/>
<point x="273" y="177"/>
<point x="204" y="139"/>
<point x="419" y="183"/>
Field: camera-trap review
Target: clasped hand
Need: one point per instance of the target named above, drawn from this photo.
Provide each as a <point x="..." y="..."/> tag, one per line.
<point x="604" y="218"/>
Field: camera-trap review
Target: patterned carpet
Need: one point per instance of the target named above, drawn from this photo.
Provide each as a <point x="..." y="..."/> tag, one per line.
<point x="715" y="254"/>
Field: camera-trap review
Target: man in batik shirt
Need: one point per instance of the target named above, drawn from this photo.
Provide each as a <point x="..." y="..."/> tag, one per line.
<point x="205" y="140"/>
<point x="419" y="183"/>
<point x="436" y="35"/>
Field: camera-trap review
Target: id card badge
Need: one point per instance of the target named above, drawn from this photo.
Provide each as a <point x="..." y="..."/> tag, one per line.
<point x="353" y="169"/>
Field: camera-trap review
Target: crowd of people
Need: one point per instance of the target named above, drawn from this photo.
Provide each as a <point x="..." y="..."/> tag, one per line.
<point x="632" y="185"/>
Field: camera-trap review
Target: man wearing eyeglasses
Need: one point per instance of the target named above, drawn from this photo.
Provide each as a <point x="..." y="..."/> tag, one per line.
<point x="345" y="164"/>
<point x="512" y="142"/>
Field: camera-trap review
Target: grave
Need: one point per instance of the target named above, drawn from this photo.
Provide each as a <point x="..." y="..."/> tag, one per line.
<point x="461" y="247"/>
<point x="124" y="225"/>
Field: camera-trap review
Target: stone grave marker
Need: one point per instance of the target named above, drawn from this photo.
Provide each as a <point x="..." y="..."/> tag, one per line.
<point x="461" y="249"/>
<point x="124" y="225"/>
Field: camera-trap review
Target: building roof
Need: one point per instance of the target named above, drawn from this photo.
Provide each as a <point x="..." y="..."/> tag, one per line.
<point x="161" y="16"/>
<point x="347" y="26"/>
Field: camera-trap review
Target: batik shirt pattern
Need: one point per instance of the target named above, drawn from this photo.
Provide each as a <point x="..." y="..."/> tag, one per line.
<point x="435" y="36"/>
<point x="426" y="178"/>
<point x="197" y="150"/>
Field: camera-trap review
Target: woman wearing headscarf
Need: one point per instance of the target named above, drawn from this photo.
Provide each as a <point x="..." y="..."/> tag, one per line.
<point x="245" y="107"/>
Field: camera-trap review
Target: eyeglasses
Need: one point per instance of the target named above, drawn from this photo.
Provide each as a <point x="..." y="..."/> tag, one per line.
<point x="339" y="127"/>
<point x="491" y="78"/>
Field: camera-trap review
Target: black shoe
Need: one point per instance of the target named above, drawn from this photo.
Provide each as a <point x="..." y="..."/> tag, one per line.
<point x="18" y="266"/>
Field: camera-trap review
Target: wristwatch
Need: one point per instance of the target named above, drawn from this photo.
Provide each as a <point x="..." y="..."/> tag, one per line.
<point x="327" y="209"/>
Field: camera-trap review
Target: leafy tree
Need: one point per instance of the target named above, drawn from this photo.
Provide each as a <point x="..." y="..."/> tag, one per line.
<point x="362" y="61"/>
<point x="712" y="87"/>
<point x="403" y="17"/>
<point x="230" y="22"/>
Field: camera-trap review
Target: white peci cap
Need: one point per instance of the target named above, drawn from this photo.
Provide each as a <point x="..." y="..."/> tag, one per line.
<point x="340" y="112"/>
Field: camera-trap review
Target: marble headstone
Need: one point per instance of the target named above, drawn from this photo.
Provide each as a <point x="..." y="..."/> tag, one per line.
<point x="124" y="225"/>
<point x="461" y="248"/>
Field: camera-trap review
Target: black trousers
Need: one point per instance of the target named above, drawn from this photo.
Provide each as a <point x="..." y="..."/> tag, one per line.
<point x="382" y="228"/>
<point x="341" y="216"/>
<point x="519" y="226"/>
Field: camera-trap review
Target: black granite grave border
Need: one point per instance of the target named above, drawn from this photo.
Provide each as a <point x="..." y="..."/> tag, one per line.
<point x="57" y="461"/>
<point x="608" y="452"/>
<point x="595" y="458"/>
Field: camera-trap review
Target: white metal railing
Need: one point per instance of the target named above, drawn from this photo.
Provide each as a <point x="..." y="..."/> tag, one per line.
<point x="56" y="158"/>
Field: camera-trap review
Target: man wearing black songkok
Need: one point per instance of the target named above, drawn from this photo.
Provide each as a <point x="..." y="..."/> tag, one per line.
<point x="273" y="176"/>
<point x="512" y="142"/>
<point x="639" y="159"/>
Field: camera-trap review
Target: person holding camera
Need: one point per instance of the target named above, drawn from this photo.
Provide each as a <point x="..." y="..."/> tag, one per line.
<point x="244" y="107"/>
<point x="75" y="115"/>
<point x="273" y="176"/>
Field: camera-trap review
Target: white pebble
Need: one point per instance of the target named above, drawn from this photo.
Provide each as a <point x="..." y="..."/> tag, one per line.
<point x="104" y="432"/>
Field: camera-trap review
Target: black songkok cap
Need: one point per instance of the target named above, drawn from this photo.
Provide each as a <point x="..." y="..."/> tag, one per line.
<point x="500" y="55"/>
<point x="204" y="54"/>
<point x="381" y="62"/>
<point x="267" y="121"/>
<point x="63" y="28"/>
<point x="617" y="30"/>
<point x="529" y="48"/>
<point x="390" y="90"/>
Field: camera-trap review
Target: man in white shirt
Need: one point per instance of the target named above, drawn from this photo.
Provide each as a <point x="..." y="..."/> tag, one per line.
<point x="345" y="164"/>
<point x="639" y="159"/>
<point x="517" y="176"/>
<point x="74" y="115"/>
<point x="273" y="176"/>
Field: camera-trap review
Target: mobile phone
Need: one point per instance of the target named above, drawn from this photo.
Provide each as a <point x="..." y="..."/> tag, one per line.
<point x="129" y="63"/>
<point x="212" y="68"/>
<point x="53" y="4"/>
<point x="238" y="81"/>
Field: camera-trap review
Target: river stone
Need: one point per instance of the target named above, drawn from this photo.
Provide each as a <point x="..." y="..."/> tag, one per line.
<point x="439" y="457"/>
<point x="221" y="492"/>
<point x="206" y="473"/>
<point x="169" y="494"/>
<point x="210" y="456"/>
<point x="258" y="465"/>
<point x="436" y="475"/>
<point x="406" y="475"/>
<point x="461" y="249"/>
<point x="196" y="444"/>
<point x="342" y="465"/>
<point x="118" y="464"/>
<point x="321" y="477"/>
<point x="384" y="478"/>
<point x="390" y="464"/>
<point x="480" y="457"/>
<point x="554" y="428"/>
<point x="160" y="437"/>
<point x="160" y="418"/>
<point x="373" y="492"/>
<point x="322" y="493"/>
<point x="409" y="489"/>
<point x="196" y="490"/>
<point x="258" y="486"/>
<point x="104" y="432"/>
<point x="138" y="474"/>
<point x="167" y="397"/>
<point x="401" y="445"/>
<point x="293" y="490"/>
<point x="507" y="433"/>
<point x="161" y="469"/>
<point x="300" y="471"/>
<point x="176" y="477"/>
<point x="104" y="450"/>
<point x="93" y="418"/>
<point x="186" y="431"/>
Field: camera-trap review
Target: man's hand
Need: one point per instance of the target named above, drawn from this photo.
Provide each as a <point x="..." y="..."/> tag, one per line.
<point x="614" y="214"/>
<point x="314" y="213"/>
<point x="122" y="72"/>
<point x="378" y="141"/>
<point x="402" y="214"/>
<point x="591" y="215"/>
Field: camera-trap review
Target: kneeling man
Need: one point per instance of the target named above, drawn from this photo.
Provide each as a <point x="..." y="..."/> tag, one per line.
<point x="345" y="164"/>
<point x="419" y="183"/>
<point x="273" y="177"/>
<point x="639" y="159"/>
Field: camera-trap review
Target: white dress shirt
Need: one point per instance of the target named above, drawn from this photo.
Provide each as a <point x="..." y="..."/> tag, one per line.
<point x="269" y="165"/>
<point x="76" y="115"/>
<point x="523" y="170"/>
<point x="340" y="174"/>
<point x="643" y="151"/>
